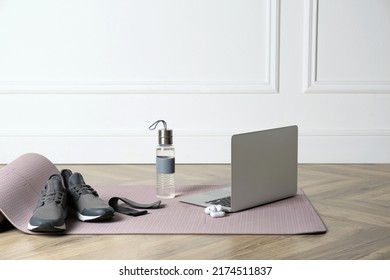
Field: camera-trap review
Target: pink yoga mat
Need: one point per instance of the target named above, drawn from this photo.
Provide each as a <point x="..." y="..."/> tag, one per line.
<point x="21" y="182"/>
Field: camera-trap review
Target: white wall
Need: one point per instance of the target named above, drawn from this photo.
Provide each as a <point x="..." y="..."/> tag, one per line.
<point x="81" y="81"/>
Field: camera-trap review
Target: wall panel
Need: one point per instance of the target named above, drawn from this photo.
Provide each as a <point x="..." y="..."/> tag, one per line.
<point x="347" y="46"/>
<point x="81" y="81"/>
<point x="139" y="46"/>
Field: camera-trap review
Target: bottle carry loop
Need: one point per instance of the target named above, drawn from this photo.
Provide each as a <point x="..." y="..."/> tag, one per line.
<point x="155" y="124"/>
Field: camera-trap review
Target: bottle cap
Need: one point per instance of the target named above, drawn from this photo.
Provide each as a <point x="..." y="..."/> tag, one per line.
<point x="165" y="136"/>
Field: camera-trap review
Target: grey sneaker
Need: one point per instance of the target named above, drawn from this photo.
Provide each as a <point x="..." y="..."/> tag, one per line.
<point x="51" y="209"/>
<point x="84" y="201"/>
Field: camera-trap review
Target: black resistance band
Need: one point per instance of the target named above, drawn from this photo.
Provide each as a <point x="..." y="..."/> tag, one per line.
<point x="124" y="209"/>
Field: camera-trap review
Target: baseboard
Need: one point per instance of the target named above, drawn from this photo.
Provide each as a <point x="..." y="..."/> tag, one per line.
<point x="138" y="147"/>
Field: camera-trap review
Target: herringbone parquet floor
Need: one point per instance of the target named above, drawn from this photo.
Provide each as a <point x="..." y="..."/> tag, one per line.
<point x="352" y="200"/>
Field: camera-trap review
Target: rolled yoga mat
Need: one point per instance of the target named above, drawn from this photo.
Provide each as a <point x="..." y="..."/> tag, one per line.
<point x="22" y="180"/>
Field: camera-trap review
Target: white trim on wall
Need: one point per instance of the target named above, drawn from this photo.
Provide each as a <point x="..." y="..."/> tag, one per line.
<point x="269" y="85"/>
<point x="105" y="121"/>
<point x="131" y="146"/>
<point x="131" y="133"/>
<point x="311" y="83"/>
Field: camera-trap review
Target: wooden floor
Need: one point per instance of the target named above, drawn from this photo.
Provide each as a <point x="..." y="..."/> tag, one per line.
<point x="352" y="200"/>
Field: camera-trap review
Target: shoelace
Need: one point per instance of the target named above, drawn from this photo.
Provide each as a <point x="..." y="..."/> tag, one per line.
<point x="56" y="197"/>
<point x="82" y="189"/>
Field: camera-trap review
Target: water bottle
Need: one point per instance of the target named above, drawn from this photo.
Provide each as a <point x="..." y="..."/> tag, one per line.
<point x="165" y="162"/>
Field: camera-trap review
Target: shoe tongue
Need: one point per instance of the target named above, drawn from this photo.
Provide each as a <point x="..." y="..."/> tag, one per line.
<point x="76" y="179"/>
<point x="55" y="184"/>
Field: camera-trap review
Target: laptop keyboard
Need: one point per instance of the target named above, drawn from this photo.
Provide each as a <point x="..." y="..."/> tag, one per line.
<point x="225" y="201"/>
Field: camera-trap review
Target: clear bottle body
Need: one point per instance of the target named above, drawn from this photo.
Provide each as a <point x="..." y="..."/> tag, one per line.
<point x="165" y="171"/>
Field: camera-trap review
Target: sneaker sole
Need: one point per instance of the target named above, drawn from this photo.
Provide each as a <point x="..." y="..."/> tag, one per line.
<point x="84" y="218"/>
<point x="46" y="228"/>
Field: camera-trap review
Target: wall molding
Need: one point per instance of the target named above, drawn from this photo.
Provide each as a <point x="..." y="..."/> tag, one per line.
<point x="138" y="146"/>
<point x="117" y="133"/>
<point x="311" y="83"/>
<point x="269" y="85"/>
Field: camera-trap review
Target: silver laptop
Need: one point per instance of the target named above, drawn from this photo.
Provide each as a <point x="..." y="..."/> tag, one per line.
<point x="264" y="169"/>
